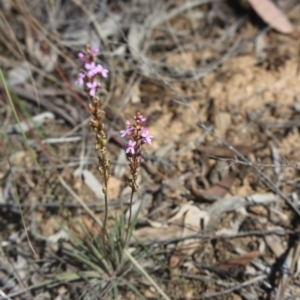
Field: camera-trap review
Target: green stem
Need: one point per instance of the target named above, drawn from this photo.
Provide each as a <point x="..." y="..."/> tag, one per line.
<point x="129" y="218"/>
<point x="105" y="215"/>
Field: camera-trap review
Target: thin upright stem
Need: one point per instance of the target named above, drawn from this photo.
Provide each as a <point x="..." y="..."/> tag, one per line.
<point x="105" y="219"/>
<point x="129" y="218"/>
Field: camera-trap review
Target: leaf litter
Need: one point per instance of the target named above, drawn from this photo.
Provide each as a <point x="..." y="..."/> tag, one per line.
<point x="224" y="111"/>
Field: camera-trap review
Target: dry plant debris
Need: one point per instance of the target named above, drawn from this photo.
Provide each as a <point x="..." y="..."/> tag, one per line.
<point x="219" y="188"/>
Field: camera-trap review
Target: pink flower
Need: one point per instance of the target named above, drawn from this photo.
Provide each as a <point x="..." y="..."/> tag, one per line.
<point x="90" y="66"/>
<point x="140" y="119"/>
<point x="95" y="51"/>
<point x="130" y="147"/>
<point x="146" y="137"/>
<point x="104" y="73"/>
<point x="95" y="70"/>
<point x="81" y="56"/>
<point x="80" y="78"/>
<point x="100" y="70"/>
<point x="92" y="72"/>
<point x="93" y="87"/>
<point x="139" y="157"/>
<point x="127" y="131"/>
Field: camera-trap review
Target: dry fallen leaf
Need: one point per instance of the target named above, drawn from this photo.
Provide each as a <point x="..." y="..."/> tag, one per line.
<point x="272" y="15"/>
<point x="188" y="220"/>
<point x="220" y="207"/>
<point x="174" y="261"/>
<point x="222" y="123"/>
<point x="232" y="267"/>
<point x="274" y="242"/>
<point x="215" y="192"/>
<point x="135" y="39"/>
<point x="19" y="74"/>
<point x="194" y="221"/>
<point x="91" y="181"/>
<point x="35" y="121"/>
<point x="194" y="218"/>
<point x="238" y="261"/>
<point x="149" y="235"/>
<point x="224" y="151"/>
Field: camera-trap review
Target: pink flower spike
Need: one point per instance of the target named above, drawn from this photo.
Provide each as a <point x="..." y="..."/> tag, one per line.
<point x="93" y="87"/>
<point x="80" y="79"/>
<point x="130" y="147"/>
<point x="128" y="123"/>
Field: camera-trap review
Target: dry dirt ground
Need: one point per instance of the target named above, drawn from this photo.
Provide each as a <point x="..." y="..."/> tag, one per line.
<point x="219" y="189"/>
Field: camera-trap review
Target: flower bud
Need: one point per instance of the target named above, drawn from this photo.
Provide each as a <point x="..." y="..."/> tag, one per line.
<point x="100" y="114"/>
<point x="94" y="123"/>
<point x="92" y="108"/>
